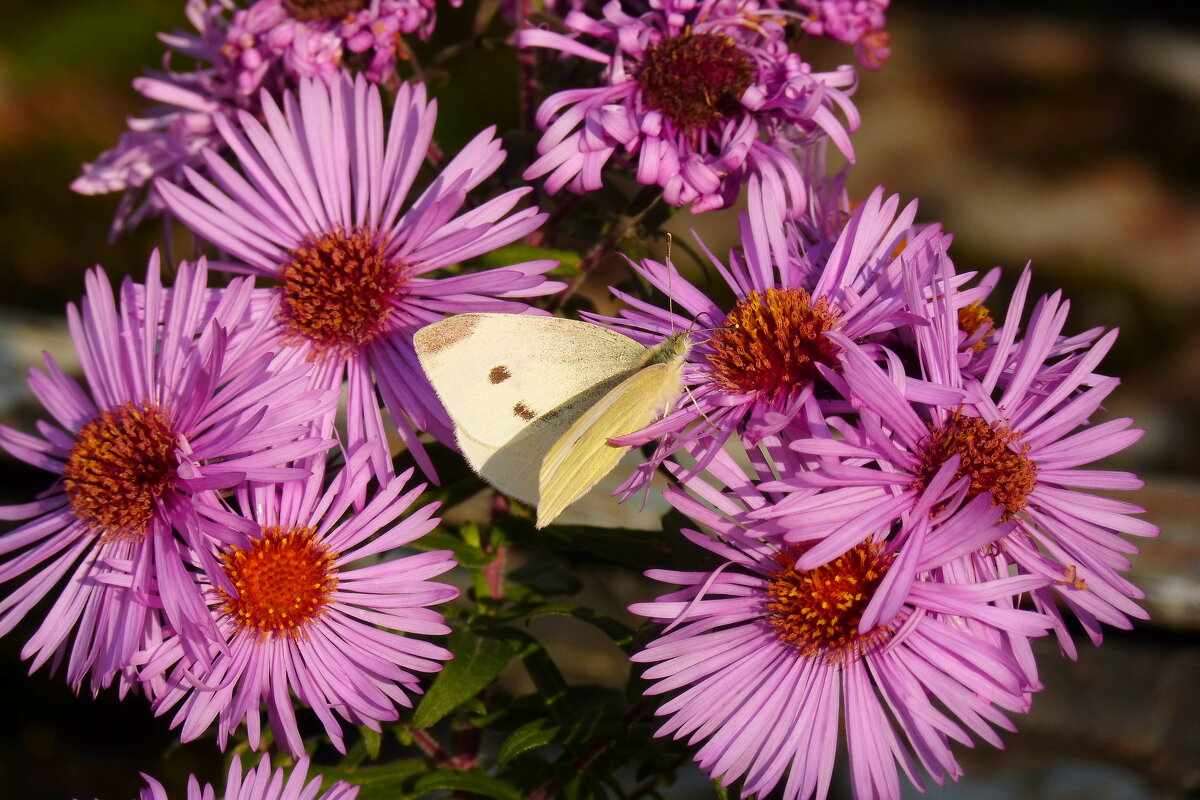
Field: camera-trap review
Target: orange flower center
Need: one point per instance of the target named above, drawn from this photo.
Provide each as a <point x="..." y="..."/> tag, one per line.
<point x="340" y="289"/>
<point x="695" y="79"/>
<point x="974" y="320"/>
<point x="818" y="611"/>
<point x="772" y="343"/>
<point x="992" y="456"/>
<point x="284" y="580"/>
<point x="123" y="461"/>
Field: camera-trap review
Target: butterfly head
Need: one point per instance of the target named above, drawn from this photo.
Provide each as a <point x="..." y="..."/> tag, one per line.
<point x="674" y="348"/>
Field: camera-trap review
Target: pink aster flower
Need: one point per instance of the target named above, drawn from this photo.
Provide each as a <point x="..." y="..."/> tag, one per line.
<point x="174" y="132"/>
<point x="321" y="206"/>
<point x="763" y="660"/>
<point x="260" y="783"/>
<point x="318" y="606"/>
<point x="700" y="95"/>
<point x="1020" y="433"/>
<point x="272" y="44"/>
<point x="138" y="457"/>
<point x="316" y="38"/>
<point x="764" y="363"/>
<point x="855" y="22"/>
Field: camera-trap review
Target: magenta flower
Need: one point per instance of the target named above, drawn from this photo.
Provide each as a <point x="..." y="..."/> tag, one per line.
<point x="700" y="95"/>
<point x="260" y="783"/>
<point x="173" y="133"/>
<point x="1020" y="434"/>
<point x="138" y="458"/>
<point x="763" y="659"/>
<point x="762" y="366"/>
<point x="321" y="207"/>
<point x="233" y="54"/>
<point x="309" y="608"/>
<point x="317" y="38"/>
<point x="855" y="22"/>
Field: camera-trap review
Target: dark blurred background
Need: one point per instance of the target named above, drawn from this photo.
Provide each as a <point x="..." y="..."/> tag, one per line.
<point x="1062" y="133"/>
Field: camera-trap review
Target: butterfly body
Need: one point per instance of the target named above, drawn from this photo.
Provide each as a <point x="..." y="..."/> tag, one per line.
<point x="535" y="399"/>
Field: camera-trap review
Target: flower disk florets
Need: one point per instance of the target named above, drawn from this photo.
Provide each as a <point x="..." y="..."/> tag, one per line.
<point x="993" y="457"/>
<point x="309" y="10"/>
<point x="773" y="341"/>
<point x="818" y="611"/>
<point x="976" y="322"/>
<point x="339" y="290"/>
<point x="284" y="580"/>
<point x="122" y="463"/>
<point x="696" y="79"/>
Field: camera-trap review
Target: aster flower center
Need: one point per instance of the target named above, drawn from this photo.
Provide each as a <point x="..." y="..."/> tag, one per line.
<point x="122" y="462"/>
<point x="284" y="580"/>
<point x="695" y="79"/>
<point x="975" y="321"/>
<point x="992" y="456"/>
<point x="320" y="10"/>
<point x="818" y="611"/>
<point x="340" y="289"/>
<point x="772" y="342"/>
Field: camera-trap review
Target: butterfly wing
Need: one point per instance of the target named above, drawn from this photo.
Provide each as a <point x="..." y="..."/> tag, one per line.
<point x="514" y="383"/>
<point x="582" y="456"/>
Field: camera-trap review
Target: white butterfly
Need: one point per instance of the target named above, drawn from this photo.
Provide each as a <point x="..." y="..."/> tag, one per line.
<point x="535" y="399"/>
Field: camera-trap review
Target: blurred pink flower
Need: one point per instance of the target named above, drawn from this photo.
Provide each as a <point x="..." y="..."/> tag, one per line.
<point x="700" y="95"/>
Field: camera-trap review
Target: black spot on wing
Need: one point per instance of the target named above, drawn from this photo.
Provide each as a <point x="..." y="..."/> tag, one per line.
<point x="499" y="374"/>
<point x="524" y="412"/>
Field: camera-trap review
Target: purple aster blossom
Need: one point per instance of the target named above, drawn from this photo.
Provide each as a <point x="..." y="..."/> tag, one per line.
<point x="317" y="605"/>
<point x="1021" y="432"/>
<point x="700" y="95"/>
<point x="789" y="291"/>
<point x="321" y="205"/>
<point x="138" y="457"/>
<point x="855" y="22"/>
<point x="270" y="45"/>
<point x="762" y="658"/>
<point x="316" y="38"/>
<point x="173" y="133"/>
<point x="260" y="783"/>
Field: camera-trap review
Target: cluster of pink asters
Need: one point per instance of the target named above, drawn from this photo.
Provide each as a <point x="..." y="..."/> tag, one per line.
<point x="210" y="75"/>
<point x="197" y="556"/>
<point x="910" y="470"/>
<point x="895" y="487"/>
<point x="855" y="22"/>
<point x="695" y="96"/>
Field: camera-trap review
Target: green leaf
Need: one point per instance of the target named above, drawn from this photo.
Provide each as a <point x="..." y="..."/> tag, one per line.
<point x="516" y="253"/>
<point x="546" y="677"/>
<point x="551" y="686"/>
<point x="546" y="574"/>
<point x="483" y="16"/>
<point x="638" y="549"/>
<point x="722" y="792"/>
<point x="616" y="630"/>
<point x="473" y="781"/>
<point x="540" y="732"/>
<point x="465" y="554"/>
<point x="383" y="782"/>
<point x="371" y="741"/>
<point x="476" y="663"/>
